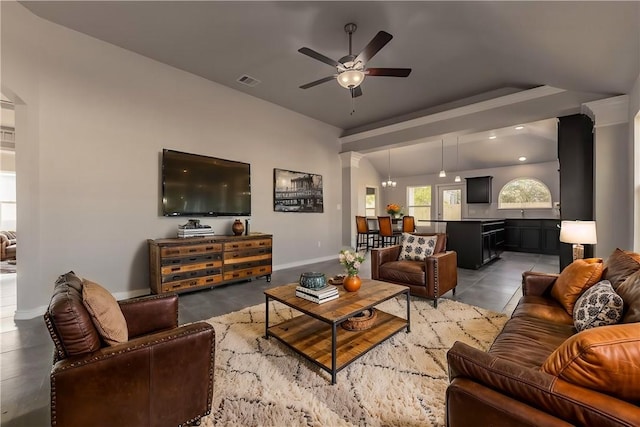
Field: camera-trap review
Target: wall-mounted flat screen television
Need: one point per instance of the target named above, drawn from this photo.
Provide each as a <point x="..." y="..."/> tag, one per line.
<point x="195" y="185"/>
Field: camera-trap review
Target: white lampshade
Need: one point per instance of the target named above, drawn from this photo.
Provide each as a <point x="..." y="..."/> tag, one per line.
<point x="578" y="232"/>
<point x="350" y="78"/>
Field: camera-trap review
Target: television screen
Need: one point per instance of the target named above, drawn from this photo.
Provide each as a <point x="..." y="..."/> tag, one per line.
<point x="195" y="185"/>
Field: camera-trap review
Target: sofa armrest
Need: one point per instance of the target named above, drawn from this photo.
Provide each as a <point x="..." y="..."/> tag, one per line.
<point x="445" y="264"/>
<point x="537" y="284"/>
<point x="541" y="390"/>
<point x="150" y="314"/>
<point x="381" y="255"/>
<point x="166" y="376"/>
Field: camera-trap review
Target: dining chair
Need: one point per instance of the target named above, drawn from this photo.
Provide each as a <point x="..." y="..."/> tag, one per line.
<point x="365" y="237"/>
<point x="408" y="224"/>
<point x="387" y="234"/>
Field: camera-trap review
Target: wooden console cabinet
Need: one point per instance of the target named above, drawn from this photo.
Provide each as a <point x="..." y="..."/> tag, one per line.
<point x="181" y="265"/>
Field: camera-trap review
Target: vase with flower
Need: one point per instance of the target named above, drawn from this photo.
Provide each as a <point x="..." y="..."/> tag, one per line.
<point x="352" y="262"/>
<point x="394" y="210"/>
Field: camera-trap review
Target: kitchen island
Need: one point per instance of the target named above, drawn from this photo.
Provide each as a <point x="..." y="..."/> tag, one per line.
<point x="476" y="241"/>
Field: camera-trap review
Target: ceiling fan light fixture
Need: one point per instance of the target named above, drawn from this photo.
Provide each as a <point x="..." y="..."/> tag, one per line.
<point x="350" y="79"/>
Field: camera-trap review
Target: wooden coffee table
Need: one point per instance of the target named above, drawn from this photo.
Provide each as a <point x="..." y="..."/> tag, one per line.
<point x="316" y="334"/>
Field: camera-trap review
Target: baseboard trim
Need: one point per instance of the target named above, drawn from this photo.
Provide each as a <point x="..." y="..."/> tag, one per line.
<point x="29" y="314"/>
<point x="39" y="311"/>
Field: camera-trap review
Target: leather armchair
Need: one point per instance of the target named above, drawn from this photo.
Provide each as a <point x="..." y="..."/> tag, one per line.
<point x="431" y="278"/>
<point x="162" y="376"/>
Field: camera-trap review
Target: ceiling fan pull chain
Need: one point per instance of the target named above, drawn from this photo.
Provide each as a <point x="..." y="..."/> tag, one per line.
<point x="353" y="101"/>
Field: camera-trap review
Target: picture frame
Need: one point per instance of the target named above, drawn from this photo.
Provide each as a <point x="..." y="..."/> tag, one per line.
<point x="297" y="191"/>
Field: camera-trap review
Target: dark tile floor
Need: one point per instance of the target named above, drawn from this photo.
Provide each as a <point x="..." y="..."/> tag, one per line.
<point x="26" y="349"/>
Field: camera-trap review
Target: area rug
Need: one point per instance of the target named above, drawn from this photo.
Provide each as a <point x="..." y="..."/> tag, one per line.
<point x="401" y="382"/>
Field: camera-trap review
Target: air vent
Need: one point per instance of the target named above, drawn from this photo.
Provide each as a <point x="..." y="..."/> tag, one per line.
<point x="248" y="80"/>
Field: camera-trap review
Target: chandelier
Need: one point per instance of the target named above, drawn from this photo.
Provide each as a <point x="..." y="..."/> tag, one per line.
<point x="389" y="182"/>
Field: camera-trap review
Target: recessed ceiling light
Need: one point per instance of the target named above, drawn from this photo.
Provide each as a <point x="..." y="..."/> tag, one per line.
<point x="522" y="158"/>
<point x="519" y="127"/>
<point x="492" y="137"/>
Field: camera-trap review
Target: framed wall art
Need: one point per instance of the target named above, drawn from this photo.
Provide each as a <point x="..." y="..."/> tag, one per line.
<point x="297" y="191"/>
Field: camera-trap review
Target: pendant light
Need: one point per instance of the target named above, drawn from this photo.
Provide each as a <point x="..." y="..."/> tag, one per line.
<point x="388" y="182"/>
<point x="457" y="178"/>
<point x="442" y="172"/>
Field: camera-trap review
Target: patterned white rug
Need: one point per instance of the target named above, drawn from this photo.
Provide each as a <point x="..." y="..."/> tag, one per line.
<point x="401" y="382"/>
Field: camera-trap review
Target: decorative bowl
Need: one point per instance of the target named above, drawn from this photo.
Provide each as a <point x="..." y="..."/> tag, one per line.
<point x="313" y="280"/>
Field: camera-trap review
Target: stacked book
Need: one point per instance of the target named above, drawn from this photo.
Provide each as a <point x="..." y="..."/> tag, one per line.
<point x="202" y="231"/>
<point x="318" y="296"/>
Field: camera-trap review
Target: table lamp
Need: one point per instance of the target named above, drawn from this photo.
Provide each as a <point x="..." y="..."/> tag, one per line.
<point x="578" y="233"/>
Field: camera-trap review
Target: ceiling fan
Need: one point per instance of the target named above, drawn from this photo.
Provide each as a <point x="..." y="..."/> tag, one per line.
<point x="351" y="69"/>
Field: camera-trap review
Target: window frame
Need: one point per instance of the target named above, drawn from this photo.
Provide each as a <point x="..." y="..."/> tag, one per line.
<point x="411" y="207"/>
<point x="525" y="205"/>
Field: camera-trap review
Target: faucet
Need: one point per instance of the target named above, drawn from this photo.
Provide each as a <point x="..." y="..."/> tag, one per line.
<point x="522" y="212"/>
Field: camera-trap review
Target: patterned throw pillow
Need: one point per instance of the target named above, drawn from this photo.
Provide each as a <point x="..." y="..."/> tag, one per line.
<point x="417" y="248"/>
<point x="599" y="305"/>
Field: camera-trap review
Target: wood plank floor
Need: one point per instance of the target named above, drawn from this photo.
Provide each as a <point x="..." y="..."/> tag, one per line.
<point x="26" y="348"/>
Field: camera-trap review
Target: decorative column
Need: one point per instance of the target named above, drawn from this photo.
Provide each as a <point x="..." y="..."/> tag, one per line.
<point x="350" y="164"/>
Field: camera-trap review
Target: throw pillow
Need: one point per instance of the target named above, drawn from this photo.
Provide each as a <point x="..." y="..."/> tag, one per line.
<point x="105" y="313"/>
<point x="602" y="359"/>
<point x="629" y="290"/>
<point x="577" y="277"/>
<point x="417" y="248"/>
<point x="597" y="306"/>
<point x="620" y="265"/>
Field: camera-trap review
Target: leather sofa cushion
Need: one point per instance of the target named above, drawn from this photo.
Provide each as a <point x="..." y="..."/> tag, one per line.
<point x="576" y="278"/>
<point x="629" y="290"/>
<point x="603" y="359"/>
<point x="620" y="265"/>
<point x="105" y="313"/>
<point x="542" y="308"/>
<point x="529" y="341"/>
<point x="408" y="272"/>
<point x="71" y="322"/>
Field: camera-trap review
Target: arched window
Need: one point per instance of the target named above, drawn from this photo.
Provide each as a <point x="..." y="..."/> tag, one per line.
<point x="524" y="193"/>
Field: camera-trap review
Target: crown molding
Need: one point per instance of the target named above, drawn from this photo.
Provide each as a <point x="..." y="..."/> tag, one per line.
<point x="523" y="96"/>
<point x="609" y="111"/>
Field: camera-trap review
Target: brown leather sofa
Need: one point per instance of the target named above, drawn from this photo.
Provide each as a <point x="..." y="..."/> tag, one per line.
<point x="431" y="278"/>
<point x="162" y="376"/>
<point x="507" y="385"/>
<point x="8" y="245"/>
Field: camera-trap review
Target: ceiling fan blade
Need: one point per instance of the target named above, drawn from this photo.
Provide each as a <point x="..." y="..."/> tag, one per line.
<point x="377" y="43"/>
<point x="390" y="72"/>
<point x="320" y="57"/>
<point x="317" y="82"/>
<point x="356" y="91"/>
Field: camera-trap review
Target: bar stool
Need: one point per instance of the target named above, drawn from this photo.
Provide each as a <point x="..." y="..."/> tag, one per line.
<point x="408" y="224"/>
<point x="388" y="236"/>
<point x="365" y="237"/>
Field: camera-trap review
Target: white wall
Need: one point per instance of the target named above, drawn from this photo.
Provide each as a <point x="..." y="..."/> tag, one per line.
<point x="91" y="122"/>
<point x="545" y="172"/>
<point x="634" y="160"/>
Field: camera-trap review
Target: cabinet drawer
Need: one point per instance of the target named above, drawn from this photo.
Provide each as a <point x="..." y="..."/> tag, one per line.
<point x="174" y="269"/>
<point x="249" y="272"/>
<point x="176" y="251"/>
<point x="196" y="259"/>
<point x="247" y="256"/>
<point x="191" y="283"/>
<point x="244" y="265"/>
<point x="261" y="243"/>
<point x="172" y="277"/>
